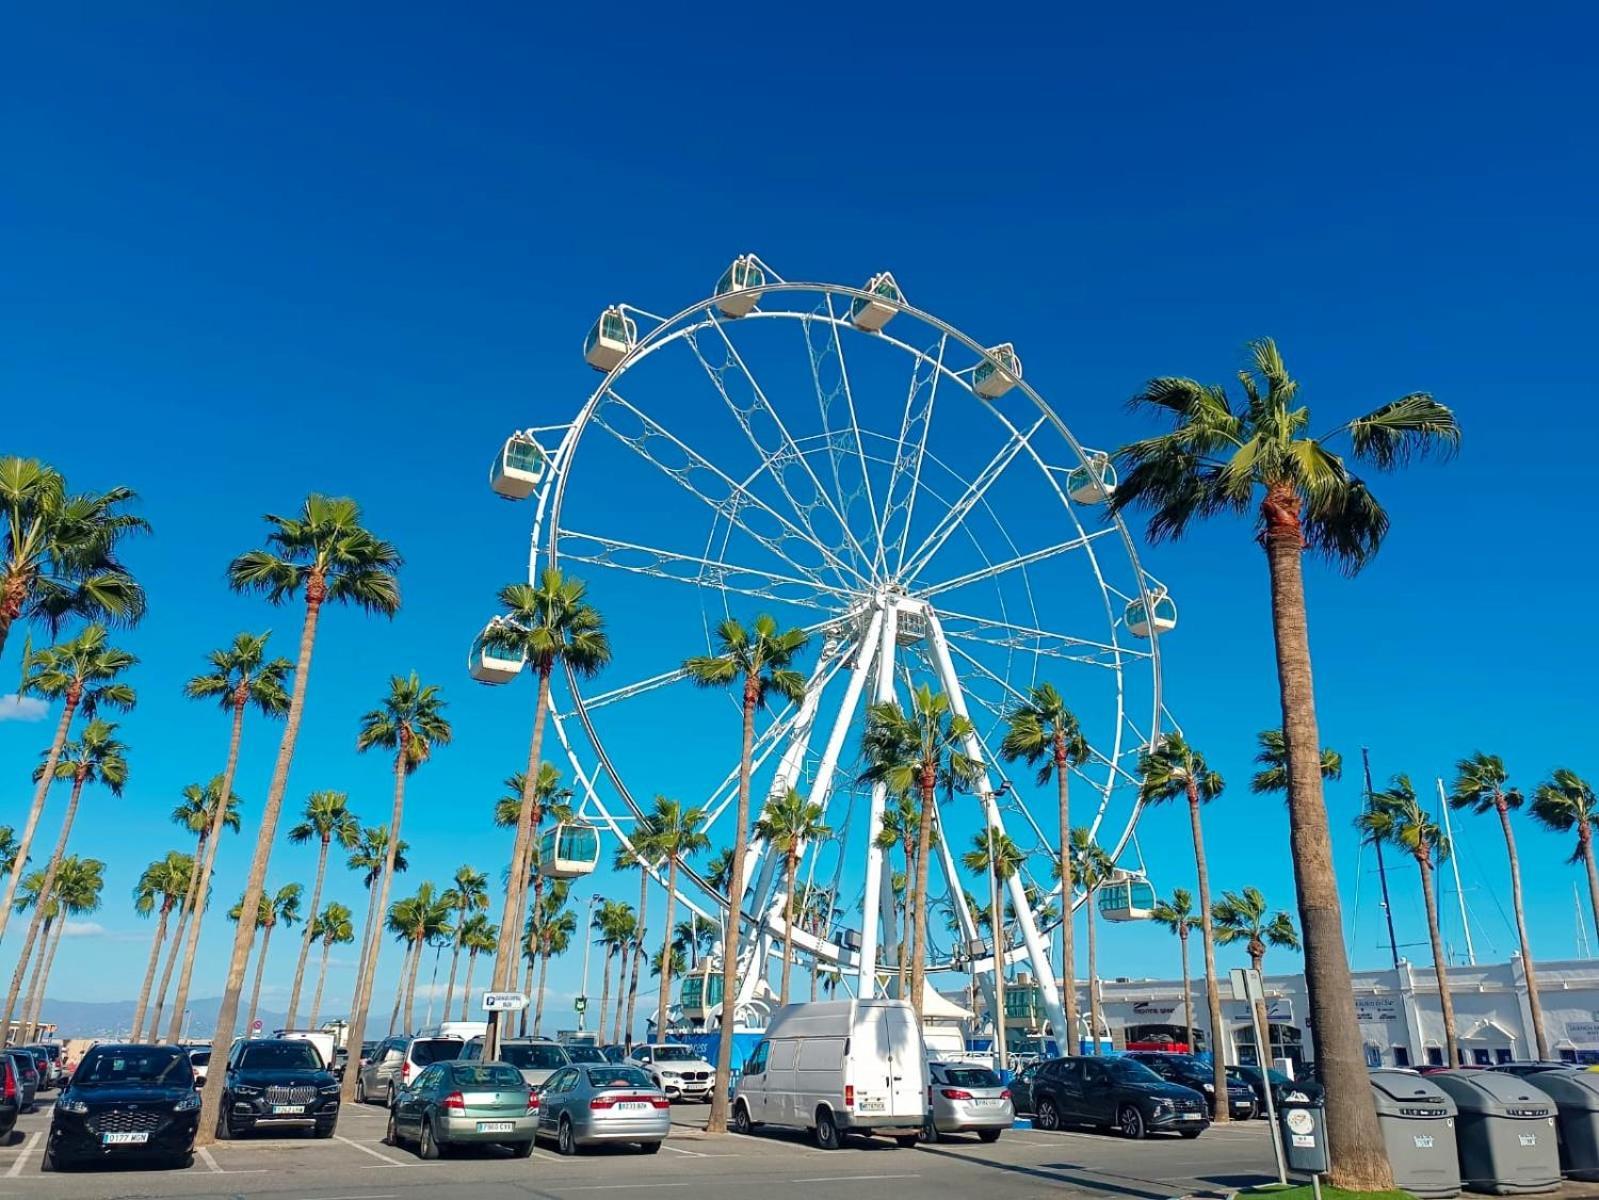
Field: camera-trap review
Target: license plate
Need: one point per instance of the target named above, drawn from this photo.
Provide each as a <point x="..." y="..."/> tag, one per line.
<point x="496" y="1126"/>
<point x="873" y="1104"/>
<point x="287" y="1110"/>
<point x="987" y="1103"/>
<point x="633" y="1105"/>
<point x="1188" y="1116"/>
<point x="124" y="1139"/>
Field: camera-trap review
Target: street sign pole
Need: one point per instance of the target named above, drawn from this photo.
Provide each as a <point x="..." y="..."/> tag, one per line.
<point x="1248" y="988"/>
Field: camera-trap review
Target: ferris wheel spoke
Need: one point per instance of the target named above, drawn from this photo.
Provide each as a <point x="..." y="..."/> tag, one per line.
<point x="975" y="491"/>
<point x="843" y="443"/>
<point x="993" y="570"/>
<point x="1003" y="633"/>
<point x="854" y="424"/>
<point x="915" y="423"/>
<point x="733" y="498"/>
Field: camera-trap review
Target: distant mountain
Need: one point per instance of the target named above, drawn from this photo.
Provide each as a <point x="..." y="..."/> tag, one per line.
<point x="81" y="1018"/>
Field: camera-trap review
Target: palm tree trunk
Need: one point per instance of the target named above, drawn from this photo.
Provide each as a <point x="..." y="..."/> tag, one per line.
<point x="624" y="953"/>
<point x="1188" y="991"/>
<point x="255" y="991"/>
<point x="1585" y="844"/>
<point x="255" y="884"/>
<point x="789" y="917"/>
<point x="26" y="1014"/>
<point x="529" y="957"/>
<point x="521" y="851"/>
<point x="471" y="966"/>
<point x="1257" y="963"/>
<point x="36" y="1001"/>
<point x="1093" y="975"/>
<point x="664" y="1001"/>
<point x="919" y="891"/>
<point x="399" y="991"/>
<point x="455" y="960"/>
<point x="638" y="953"/>
<point x="1068" y="952"/>
<point x="1207" y="933"/>
<point x="321" y="978"/>
<point x="1534" y="1003"/>
<point x="179" y="937"/>
<point x="410" y="986"/>
<point x="305" y="942"/>
<point x="544" y="967"/>
<point x="25" y="843"/>
<point x="149" y="970"/>
<point x="46" y="890"/>
<point x="1354" y="1138"/>
<point x="717" y="1121"/>
<point x="1440" y="965"/>
<point x="201" y="890"/>
<point x="605" y="991"/>
<point x="366" y="929"/>
<point x="29" y="943"/>
<point x="996" y="916"/>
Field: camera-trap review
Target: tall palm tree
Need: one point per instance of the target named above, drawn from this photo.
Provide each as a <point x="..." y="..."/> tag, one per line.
<point x="1092" y="868"/>
<point x="468" y="894"/>
<point x="915" y="752"/>
<point x="31" y="896"/>
<point x="477" y="937"/>
<point x="324" y="555"/>
<point x="370" y="858"/>
<point x="629" y="858"/>
<point x="10" y="850"/>
<point x="994" y="854"/>
<point x="1241" y="917"/>
<point x="420" y="920"/>
<point x="902" y="828"/>
<point x="273" y="909"/>
<point x="694" y="937"/>
<point x="331" y="927"/>
<point x="1045" y="734"/>
<point x="550" y="799"/>
<point x="1272" y="757"/>
<point x="759" y="661"/>
<point x="161" y="888"/>
<point x="327" y="819"/>
<point x="550" y="625"/>
<point x="789" y="823"/>
<point x="1175" y="770"/>
<point x="411" y="723"/>
<point x="674" y="834"/>
<point x="96" y="757"/>
<point x="200" y="809"/>
<point x="550" y="929"/>
<point x="1565" y="801"/>
<point x="1396" y="816"/>
<point x="82" y="673"/>
<point x="77" y="892"/>
<point x="240" y="677"/>
<point x="58" y="551"/>
<point x="1219" y="459"/>
<point x="1483" y="785"/>
<point x="1177" y="915"/>
<point x="614" y="924"/>
<point x="719" y="871"/>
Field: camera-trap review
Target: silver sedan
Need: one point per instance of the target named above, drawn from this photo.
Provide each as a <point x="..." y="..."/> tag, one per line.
<point x="593" y="1103"/>
<point x="966" y="1099"/>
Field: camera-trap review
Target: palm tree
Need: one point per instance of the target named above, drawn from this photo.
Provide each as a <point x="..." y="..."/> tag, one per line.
<point x="1241" y="917"/>
<point x="77" y="891"/>
<point x="1045" y="734"/>
<point x="550" y="799"/>
<point x="96" y="757"/>
<point x="324" y="555"/>
<point x="240" y="677"/>
<point x="917" y="751"/>
<point x="1483" y="785"/>
<point x="1177" y="915"/>
<point x="629" y="857"/>
<point x="1172" y="770"/>
<point x="673" y="834"/>
<point x="420" y="920"/>
<point x="328" y="819"/>
<point x="83" y="674"/>
<point x="551" y="928"/>
<point x="477" y="936"/>
<point x="161" y="887"/>
<point x="759" y="660"/>
<point x="411" y="723"/>
<point x="58" y="551"/>
<point x="661" y="964"/>
<point x="1272" y="778"/>
<point x="332" y="927"/>
<point x="994" y="854"/>
<point x="370" y="858"/>
<point x="788" y="824"/>
<point x="468" y="894"/>
<point x="1396" y="816"/>
<point x="31" y="896"/>
<point x="719" y="871"/>
<point x="1092" y="867"/>
<point x="9" y="850"/>
<point x="273" y="909"/>
<point x="614" y="923"/>
<point x="1216" y="460"/>
<point x="1565" y="802"/>
<point x="902" y="828"/>
<point x="198" y="810"/>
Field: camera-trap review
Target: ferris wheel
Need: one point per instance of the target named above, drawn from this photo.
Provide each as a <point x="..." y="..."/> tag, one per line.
<point x="865" y="471"/>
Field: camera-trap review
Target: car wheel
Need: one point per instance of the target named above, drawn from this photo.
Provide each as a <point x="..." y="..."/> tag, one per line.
<point x="360" y="1089"/>
<point x="1048" y="1115"/>
<point x="427" y="1146"/>
<point x="827" y="1131"/>
<point x="182" y="1162"/>
<point x="224" y="1126"/>
<point x="520" y="1149"/>
<point x="392" y="1137"/>
<point x="988" y="1135"/>
<point x="906" y="1140"/>
<point x="565" y="1139"/>
<point x="1131" y="1122"/>
<point x="929" y="1131"/>
<point x="649" y="1147"/>
<point x="741" y="1119"/>
<point x="391" y="1098"/>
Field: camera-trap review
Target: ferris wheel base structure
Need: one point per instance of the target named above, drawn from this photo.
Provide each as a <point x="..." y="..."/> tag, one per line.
<point x="823" y="519"/>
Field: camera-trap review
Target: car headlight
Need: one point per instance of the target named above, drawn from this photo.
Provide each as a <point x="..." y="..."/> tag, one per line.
<point x="244" y="1089"/>
<point x="1296" y="1098"/>
<point x="1209" y="1087"/>
<point x="669" y="1075"/>
<point x="1162" y="1107"/>
<point x="72" y="1106"/>
<point x="332" y="1089"/>
<point x="188" y="1104"/>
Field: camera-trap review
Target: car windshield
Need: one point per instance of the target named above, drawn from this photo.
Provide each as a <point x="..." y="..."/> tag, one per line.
<point x="534" y="1058"/>
<point x="619" y="1077"/>
<point x="585" y="1054"/>
<point x="281" y="1056"/>
<point x="200" y="1057"/>
<point x="1125" y="1070"/>
<point x="152" y="1065"/>
<point x="490" y="1075"/>
<point x="432" y="1050"/>
<point x="674" y="1054"/>
<point x="972" y="1077"/>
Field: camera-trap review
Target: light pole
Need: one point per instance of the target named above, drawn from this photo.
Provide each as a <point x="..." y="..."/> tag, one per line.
<point x="588" y="941"/>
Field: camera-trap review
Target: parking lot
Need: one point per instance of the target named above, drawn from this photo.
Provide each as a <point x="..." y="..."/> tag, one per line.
<point x="357" y="1165"/>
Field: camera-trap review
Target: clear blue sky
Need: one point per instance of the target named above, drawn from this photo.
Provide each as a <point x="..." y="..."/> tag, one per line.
<point x="249" y="256"/>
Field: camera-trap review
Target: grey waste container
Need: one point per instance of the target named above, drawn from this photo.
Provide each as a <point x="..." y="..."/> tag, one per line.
<point x="1506" y="1134"/>
<point x="1576" y="1097"/>
<point x="1418" y="1128"/>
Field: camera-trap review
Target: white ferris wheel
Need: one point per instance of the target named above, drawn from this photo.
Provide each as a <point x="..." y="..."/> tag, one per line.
<point x="861" y="469"/>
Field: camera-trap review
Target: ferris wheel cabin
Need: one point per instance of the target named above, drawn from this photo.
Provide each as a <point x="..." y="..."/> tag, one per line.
<point x="1127" y="897"/>
<point x="569" y="851"/>
<point x="700" y="995"/>
<point x="872" y="314"/>
<point x="733" y="296"/>
<point x="1094" y="482"/>
<point x="519" y="467"/>
<point x="490" y="664"/>
<point x="608" y="343"/>
<point x="1000" y="371"/>
<point x="1160" y="616"/>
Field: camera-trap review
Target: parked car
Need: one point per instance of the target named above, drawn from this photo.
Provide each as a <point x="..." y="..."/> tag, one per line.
<point x="200" y="1061"/>
<point x="125" y="1101"/>
<point x="455" y="1103"/>
<point x="10" y="1098"/>
<point x="583" y="1052"/>
<point x="1283" y="1089"/>
<point x="835" y="1068"/>
<point x="1198" y="1074"/>
<point x="277" y="1081"/>
<point x="1116" y="1092"/>
<point x="536" y="1058"/>
<point x="1021" y="1086"/>
<point x="583" y="1105"/>
<point x="36" y="1069"/>
<point x="614" y="1054"/>
<point x="54" y="1064"/>
<point x="1537" y="1067"/>
<point x="398" y="1060"/>
<point x="679" y="1071"/>
<point x="966" y="1099"/>
<point x="27" y="1071"/>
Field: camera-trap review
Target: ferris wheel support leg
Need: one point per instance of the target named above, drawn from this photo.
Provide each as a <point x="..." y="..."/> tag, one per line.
<point x="963" y="914"/>
<point x="874" y="855"/>
<point x="1037" y="951"/>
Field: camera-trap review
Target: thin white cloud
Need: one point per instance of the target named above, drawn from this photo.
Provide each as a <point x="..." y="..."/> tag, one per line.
<point x="22" y="708"/>
<point x="84" y="929"/>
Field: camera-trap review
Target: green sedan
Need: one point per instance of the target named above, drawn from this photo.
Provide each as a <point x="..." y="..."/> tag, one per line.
<point x="465" y="1103"/>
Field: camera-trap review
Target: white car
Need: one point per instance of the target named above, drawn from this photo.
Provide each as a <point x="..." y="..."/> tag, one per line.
<point x="679" y="1071"/>
<point x="199" y="1060"/>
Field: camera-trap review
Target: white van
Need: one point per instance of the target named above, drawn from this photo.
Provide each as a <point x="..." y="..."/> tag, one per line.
<point x="835" y="1068"/>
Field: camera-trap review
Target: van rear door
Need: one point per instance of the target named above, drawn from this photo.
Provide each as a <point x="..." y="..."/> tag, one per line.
<point x="907" y="1063"/>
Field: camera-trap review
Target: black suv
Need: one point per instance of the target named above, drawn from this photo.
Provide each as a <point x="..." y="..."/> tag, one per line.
<point x="1198" y="1074"/>
<point x="277" y="1081"/>
<point x="125" y="1100"/>
<point x="1109" y="1092"/>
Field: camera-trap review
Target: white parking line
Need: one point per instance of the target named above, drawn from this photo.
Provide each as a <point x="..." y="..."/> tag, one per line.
<point x="210" y="1163"/>
<point x="16" y="1167"/>
<point x="387" y="1161"/>
<point x="847" y="1178"/>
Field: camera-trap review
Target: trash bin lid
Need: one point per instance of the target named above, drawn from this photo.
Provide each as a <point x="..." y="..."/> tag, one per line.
<point x="1405" y="1093"/>
<point x="1573" y="1089"/>
<point x="1494" y="1094"/>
